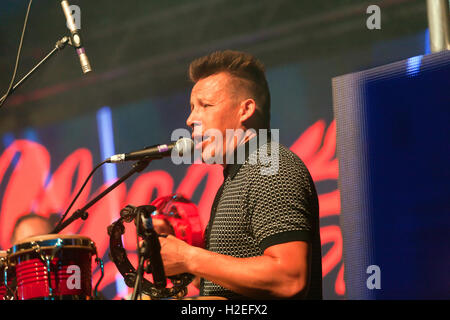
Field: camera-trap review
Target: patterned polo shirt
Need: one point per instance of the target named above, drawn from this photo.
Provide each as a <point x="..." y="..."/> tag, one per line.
<point x="260" y="204"/>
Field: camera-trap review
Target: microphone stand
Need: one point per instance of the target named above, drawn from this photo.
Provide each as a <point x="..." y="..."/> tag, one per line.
<point x="82" y="213"/>
<point x="150" y="250"/>
<point x="59" y="45"/>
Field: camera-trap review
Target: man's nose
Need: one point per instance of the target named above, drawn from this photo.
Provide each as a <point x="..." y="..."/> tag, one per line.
<point x="190" y="120"/>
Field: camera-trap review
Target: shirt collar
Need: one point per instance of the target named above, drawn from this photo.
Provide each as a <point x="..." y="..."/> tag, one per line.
<point x="232" y="169"/>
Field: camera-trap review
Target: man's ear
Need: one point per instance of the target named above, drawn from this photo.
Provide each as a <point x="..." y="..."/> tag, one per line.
<point x="247" y="110"/>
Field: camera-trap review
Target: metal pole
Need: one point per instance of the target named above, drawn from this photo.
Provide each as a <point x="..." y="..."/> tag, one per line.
<point x="439" y="24"/>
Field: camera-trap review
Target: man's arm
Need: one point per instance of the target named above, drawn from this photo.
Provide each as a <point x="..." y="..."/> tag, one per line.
<point x="281" y="272"/>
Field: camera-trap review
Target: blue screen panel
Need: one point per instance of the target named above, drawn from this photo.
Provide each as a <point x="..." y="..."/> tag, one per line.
<point x="393" y="145"/>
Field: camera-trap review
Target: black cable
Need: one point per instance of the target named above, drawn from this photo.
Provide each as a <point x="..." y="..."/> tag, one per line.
<point x="3" y="99"/>
<point x="78" y="194"/>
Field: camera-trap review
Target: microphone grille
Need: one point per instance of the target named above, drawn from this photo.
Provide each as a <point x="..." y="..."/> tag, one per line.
<point x="184" y="146"/>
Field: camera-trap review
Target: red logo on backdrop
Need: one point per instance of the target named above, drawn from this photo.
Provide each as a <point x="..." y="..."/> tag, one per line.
<point x="27" y="191"/>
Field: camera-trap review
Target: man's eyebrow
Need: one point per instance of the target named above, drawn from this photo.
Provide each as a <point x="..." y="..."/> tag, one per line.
<point x="200" y="100"/>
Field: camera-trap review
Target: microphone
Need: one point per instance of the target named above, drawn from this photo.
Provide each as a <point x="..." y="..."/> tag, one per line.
<point x="181" y="147"/>
<point x="76" y="38"/>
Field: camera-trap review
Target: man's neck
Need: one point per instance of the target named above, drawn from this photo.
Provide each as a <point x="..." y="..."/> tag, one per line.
<point x="248" y="136"/>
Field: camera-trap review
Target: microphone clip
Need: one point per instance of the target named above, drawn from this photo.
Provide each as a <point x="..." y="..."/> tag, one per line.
<point x="66" y="40"/>
<point x="61" y="43"/>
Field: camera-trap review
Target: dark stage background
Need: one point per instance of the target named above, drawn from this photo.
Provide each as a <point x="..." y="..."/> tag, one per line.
<point x="60" y="124"/>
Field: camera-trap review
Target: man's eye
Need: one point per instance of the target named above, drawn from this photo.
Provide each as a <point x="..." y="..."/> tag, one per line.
<point x="207" y="105"/>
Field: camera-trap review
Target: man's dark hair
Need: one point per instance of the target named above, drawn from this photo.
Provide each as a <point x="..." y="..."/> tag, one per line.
<point x="242" y="66"/>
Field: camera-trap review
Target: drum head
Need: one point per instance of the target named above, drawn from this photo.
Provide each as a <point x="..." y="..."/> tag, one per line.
<point x="49" y="241"/>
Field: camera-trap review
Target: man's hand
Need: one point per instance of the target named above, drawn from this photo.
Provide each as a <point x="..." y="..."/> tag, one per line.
<point x="172" y="249"/>
<point x="175" y="255"/>
<point x="162" y="226"/>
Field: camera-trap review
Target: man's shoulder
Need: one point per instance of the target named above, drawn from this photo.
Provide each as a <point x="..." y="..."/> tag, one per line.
<point x="287" y="155"/>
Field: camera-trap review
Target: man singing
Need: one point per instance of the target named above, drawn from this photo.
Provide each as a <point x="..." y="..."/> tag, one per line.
<point x="262" y="240"/>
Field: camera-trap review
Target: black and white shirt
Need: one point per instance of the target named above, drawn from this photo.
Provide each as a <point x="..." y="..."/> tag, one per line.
<point x="261" y="204"/>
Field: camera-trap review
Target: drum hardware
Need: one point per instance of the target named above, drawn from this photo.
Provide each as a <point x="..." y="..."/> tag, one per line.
<point x="102" y="270"/>
<point x="47" y="259"/>
<point x="9" y="293"/>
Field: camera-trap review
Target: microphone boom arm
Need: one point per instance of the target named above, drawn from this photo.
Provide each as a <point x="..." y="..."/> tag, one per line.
<point x="59" y="45"/>
<point x="81" y="213"/>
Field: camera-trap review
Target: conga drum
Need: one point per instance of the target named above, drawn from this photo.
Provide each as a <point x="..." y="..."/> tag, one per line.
<point x="53" y="267"/>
